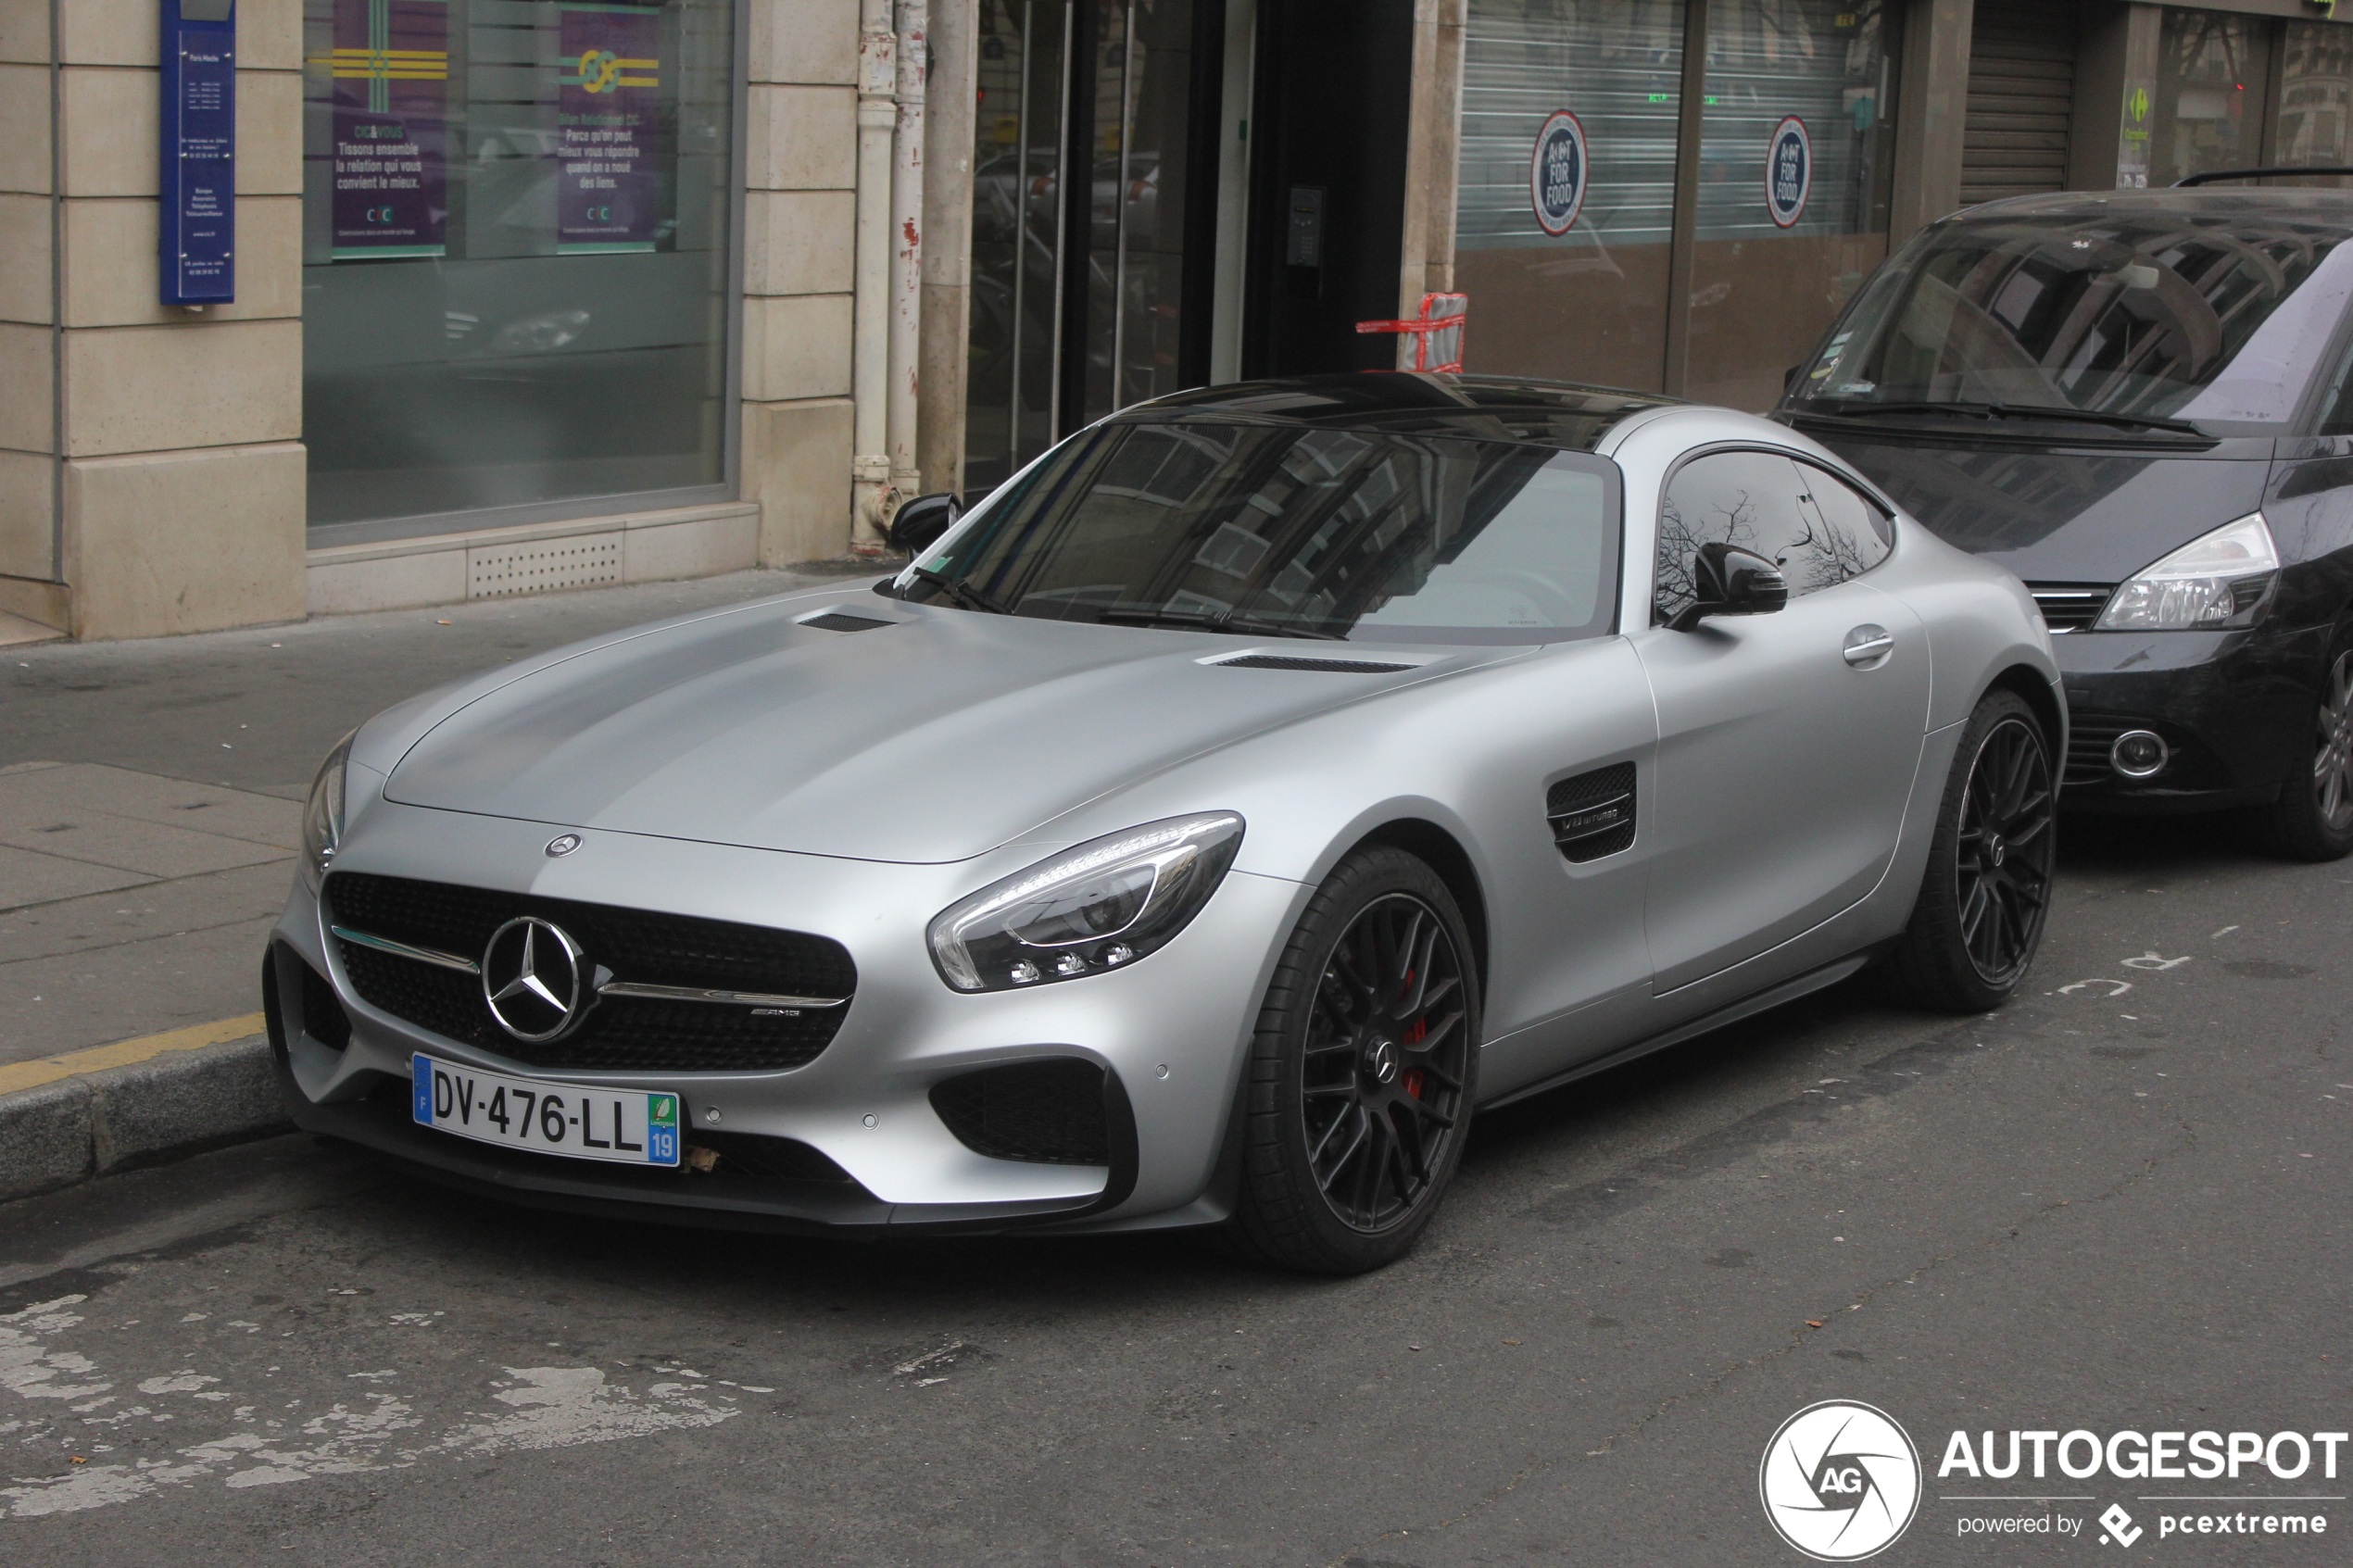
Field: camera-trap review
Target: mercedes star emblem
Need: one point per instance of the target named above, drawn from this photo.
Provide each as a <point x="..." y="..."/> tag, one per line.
<point x="533" y="980"/>
<point x="561" y="844"/>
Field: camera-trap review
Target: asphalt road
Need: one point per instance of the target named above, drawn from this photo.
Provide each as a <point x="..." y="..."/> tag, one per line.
<point x="2094" y="1210"/>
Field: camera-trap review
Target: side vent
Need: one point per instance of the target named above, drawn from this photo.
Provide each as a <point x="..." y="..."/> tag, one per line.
<point x="1593" y="814"/>
<point x="845" y="620"/>
<point x="1316" y="666"/>
<point x="1048" y="1112"/>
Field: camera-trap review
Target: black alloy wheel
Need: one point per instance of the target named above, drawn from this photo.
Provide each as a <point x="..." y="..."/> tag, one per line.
<point x="1383" y="1082"/>
<point x="1361" y="1071"/>
<point x="2314" y="817"/>
<point x="2006" y="842"/>
<point x="1986" y="894"/>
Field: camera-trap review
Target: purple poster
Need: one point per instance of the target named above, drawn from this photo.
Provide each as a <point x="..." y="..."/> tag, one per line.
<point x="391" y="70"/>
<point x="609" y="197"/>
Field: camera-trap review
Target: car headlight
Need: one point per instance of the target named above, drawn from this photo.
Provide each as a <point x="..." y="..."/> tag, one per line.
<point x="322" y="814"/>
<point x="1098" y="907"/>
<point x="2218" y="580"/>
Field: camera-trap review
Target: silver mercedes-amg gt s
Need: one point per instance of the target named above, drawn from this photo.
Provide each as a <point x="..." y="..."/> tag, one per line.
<point x="1194" y="834"/>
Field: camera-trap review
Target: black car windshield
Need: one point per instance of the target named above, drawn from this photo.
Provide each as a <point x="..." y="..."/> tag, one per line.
<point x="2154" y="315"/>
<point x="1284" y="531"/>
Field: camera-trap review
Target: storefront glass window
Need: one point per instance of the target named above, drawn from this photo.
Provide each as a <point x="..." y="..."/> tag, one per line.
<point x="515" y="288"/>
<point x="1568" y="278"/>
<point x="1087" y="314"/>
<point x="1795" y="162"/>
<point x="2316" y="96"/>
<point x="2210" y="71"/>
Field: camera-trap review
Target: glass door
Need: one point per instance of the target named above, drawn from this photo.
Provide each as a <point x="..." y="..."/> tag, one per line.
<point x="1085" y="132"/>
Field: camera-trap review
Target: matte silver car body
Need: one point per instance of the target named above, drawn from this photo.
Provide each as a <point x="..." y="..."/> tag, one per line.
<point x="739" y="765"/>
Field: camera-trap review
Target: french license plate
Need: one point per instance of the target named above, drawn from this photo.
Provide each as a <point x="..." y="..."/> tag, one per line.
<point x="634" y="1128"/>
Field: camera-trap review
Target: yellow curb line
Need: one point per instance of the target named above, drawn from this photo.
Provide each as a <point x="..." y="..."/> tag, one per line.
<point x="125" y="1053"/>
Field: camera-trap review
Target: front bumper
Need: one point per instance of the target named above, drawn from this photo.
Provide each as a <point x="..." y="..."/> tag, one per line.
<point x="852" y="1138"/>
<point x="2231" y="706"/>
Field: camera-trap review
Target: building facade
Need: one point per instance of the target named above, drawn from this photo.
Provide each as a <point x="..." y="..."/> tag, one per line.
<point x="539" y="293"/>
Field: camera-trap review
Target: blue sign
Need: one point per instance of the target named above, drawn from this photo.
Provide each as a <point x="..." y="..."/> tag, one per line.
<point x="1556" y="173"/>
<point x="1789" y="172"/>
<point x="197" y="248"/>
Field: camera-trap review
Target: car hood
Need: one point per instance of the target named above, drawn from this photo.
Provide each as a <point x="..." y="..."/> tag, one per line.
<point x="2064" y="515"/>
<point x="936" y="737"/>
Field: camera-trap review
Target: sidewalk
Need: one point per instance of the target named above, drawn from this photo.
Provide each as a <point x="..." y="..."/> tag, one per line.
<point x="150" y="809"/>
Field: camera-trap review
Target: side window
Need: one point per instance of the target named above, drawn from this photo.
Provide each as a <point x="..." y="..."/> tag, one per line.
<point x="1850" y="535"/>
<point x="1752" y="499"/>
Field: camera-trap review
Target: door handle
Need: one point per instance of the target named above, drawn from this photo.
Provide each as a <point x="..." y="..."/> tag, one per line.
<point x="1868" y="646"/>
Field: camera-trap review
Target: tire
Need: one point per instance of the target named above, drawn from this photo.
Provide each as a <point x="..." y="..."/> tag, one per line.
<point x="2314" y="820"/>
<point x="1361" y="1071"/>
<point x="1986" y="895"/>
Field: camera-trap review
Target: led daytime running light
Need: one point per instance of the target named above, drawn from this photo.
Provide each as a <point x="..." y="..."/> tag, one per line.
<point x="1096" y="907"/>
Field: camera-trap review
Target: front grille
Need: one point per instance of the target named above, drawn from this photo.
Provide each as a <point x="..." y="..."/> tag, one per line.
<point x="775" y="1160"/>
<point x="619" y="1034"/>
<point x="1045" y="1112"/>
<point x="1315" y="666"/>
<point x="2090" y="736"/>
<point x="1593" y="814"/>
<point x="2071" y="606"/>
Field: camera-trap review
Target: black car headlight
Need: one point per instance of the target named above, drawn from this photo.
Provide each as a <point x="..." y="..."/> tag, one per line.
<point x="322" y="814"/>
<point x="2217" y="580"/>
<point x="1097" y="907"/>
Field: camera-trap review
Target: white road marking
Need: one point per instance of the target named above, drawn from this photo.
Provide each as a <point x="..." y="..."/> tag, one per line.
<point x="2122" y="986"/>
<point x="544" y="1407"/>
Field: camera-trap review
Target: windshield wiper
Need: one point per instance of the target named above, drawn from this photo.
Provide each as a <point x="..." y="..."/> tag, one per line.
<point x="958" y="591"/>
<point x="1214" y="621"/>
<point x="1854" y="407"/>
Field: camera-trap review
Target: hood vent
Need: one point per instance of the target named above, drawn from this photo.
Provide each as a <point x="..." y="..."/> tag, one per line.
<point x="847" y="620"/>
<point x="1317" y="666"/>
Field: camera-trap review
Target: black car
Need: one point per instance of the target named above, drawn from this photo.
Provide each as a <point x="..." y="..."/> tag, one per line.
<point x="2140" y="402"/>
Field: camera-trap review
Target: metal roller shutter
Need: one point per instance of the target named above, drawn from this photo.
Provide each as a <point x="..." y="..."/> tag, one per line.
<point x="2021" y="91"/>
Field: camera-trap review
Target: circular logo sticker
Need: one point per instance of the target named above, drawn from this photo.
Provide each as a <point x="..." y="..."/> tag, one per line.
<point x="1841" y="1481"/>
<point x="1556" y="173"/>
<point x="1789" y="172"/>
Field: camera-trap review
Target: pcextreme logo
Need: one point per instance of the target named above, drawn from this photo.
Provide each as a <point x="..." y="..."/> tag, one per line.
<point x="1840" y="1481"/>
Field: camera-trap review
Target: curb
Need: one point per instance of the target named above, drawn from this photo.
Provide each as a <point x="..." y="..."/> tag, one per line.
<point x="135" y="1103"/>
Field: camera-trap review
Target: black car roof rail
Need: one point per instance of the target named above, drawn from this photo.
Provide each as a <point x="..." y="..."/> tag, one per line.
<point x="2213" y="174"/>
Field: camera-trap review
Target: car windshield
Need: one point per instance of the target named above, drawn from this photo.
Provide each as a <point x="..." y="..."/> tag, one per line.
<point x="1282" y="530"/>
<point x="2158" y="317"/>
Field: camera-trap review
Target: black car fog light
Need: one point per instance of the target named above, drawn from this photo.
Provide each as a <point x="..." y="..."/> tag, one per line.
<point x="2139" y="754"/>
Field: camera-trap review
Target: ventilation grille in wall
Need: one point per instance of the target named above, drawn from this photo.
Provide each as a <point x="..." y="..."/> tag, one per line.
<point x="506" y="570"/>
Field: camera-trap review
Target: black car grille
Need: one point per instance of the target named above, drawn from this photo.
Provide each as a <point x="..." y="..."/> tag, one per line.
<point x="2071" y="606"/>
<point x="2090" y="737"/>
<point x="1045" y="1112"/>
<point x="619" y="1034"/>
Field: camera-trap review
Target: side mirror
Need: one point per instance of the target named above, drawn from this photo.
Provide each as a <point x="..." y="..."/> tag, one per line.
<point x="1788" y="377"/>
<point x="919" y="522"/>
<point x="1730" y="581"/>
